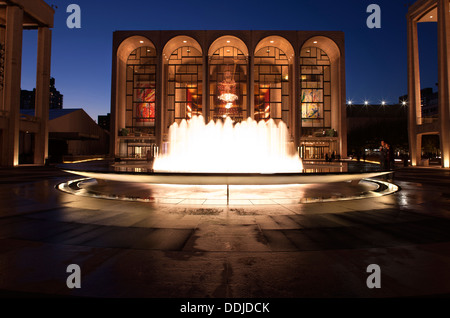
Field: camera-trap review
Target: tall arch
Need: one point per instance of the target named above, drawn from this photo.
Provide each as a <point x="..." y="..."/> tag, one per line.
<point x="134" y="105"/>
<point x="183" y="80"/>
<point x="228" y="79"/>
<point x="322" y="95"/>
<point x="273" y="80"/>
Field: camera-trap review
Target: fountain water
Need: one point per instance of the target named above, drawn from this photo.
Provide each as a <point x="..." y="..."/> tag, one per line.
<point x="225" y="147"/>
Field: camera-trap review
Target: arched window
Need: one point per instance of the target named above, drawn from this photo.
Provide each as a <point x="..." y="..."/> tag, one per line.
<point x="271" y="68"/>
<point x="141" y="91"/>
<point x="228" y="83"/>
<point x="184" y="84"/>
<point x="315" y="83"/>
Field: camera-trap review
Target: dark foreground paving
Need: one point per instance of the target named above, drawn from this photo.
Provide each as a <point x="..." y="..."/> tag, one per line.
<point x="128" y="249"/>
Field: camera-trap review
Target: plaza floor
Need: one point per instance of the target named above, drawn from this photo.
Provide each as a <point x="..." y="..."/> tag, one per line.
<point x="140" y="249"/>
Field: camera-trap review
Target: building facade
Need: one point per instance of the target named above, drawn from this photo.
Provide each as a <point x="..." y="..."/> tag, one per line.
<point x="163" y="77"/>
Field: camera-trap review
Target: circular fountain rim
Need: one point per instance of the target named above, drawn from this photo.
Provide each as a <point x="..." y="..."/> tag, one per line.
<point x="227" y="178"/>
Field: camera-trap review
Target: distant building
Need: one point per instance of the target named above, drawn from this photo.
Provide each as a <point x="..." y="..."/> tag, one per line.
<point x="104" y="121"/>
<point x="27" y="98"/>
<point x="56" y="98"/>
<point x="369" y="124"/>
<point x="72" y="134"/>
<point x="428" y="101"/>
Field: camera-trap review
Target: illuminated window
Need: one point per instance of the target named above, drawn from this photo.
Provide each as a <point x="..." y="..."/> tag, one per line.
<point x="184" y="85"/>
<point x="315" y="83"/>
<point x="271" y="84"/>
<point x="141" y="91"/>
<point x="228" y="84"/>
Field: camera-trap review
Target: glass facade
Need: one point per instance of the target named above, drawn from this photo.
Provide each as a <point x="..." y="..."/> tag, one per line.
<point x="228" y="84"/>
<point x="184" y="85"/>
<point x="164" y="78"/>
<point x="271" y="83"/>
<point x="315" y="96"/>
<point x="141" y="91"/>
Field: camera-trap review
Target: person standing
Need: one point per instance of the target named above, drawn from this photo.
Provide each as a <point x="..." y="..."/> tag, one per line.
<point x="383" y="156"/>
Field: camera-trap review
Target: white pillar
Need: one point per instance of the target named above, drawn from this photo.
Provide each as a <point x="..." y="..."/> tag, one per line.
<point x="13" y="69"/>
<point x="413" y="91"/>
<point x="43" y="93"/>
<point x="443" y="79"/>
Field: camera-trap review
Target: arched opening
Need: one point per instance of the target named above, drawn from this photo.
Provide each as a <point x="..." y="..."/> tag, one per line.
<point x="322" y="110"/>
<point x="135" y="109"/>
<point x="183" y="80"/>
<point x="273" y="80"/>
<point x="228" y="79"/>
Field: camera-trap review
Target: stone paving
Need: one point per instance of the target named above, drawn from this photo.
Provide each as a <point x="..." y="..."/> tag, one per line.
<point x="137" y="249"/>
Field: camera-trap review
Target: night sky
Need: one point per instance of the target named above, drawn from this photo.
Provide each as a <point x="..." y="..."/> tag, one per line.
<point x="376" y="66"/>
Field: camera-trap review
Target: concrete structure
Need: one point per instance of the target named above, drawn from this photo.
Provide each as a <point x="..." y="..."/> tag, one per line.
<point x="15" y="16"/>
<point x="429" y="11"/>
<point x="73" y="134"/>
<point x="162" y="77"/>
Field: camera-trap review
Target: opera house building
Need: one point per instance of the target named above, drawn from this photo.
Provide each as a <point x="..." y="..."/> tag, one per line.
<point x="163" y="77"/>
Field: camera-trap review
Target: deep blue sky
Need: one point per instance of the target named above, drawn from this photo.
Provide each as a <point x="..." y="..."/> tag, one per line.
<point x="376" y="66"/>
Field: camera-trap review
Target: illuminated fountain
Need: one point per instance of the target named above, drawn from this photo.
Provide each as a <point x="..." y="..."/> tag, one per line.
<point x="201" y="156"/>
<point x="224" y="147"/>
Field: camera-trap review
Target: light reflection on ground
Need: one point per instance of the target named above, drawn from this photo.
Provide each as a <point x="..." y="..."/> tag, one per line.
<point x="238" y="195"/>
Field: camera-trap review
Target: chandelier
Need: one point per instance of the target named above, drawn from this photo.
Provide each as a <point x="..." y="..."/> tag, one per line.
<point x="227" y="89"/>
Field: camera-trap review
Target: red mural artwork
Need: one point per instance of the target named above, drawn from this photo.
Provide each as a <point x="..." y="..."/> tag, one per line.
<point x="145" y="111"/>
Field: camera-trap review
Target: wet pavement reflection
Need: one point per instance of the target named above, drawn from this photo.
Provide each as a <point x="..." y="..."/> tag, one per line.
<point x="146" y="249"/>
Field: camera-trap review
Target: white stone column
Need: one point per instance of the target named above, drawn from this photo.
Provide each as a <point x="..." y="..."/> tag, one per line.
<point x="413" y="91"/>
<point x="43" y="93"/>
<point x="343" y="108"/>
<point x="205" y="88"/>
<point x="2" y="41"/>
<point x="13" y="69"/>
<point x="443" y="79"/>
<point x="251" y="87"/>
<point x="297" y="129"/>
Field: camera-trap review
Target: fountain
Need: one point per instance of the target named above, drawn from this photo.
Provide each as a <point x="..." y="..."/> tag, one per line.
<point x="224" y="147"/>
<point x="224" y="153"/>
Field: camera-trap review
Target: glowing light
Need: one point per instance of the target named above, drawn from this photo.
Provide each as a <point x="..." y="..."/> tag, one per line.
<point x="228" y="41"/>
<point x="404" y="103"/>
<point x="383" y="103"/>
<point x="141" y="42"/>
<point x="84" y="160"/>
<point x="366" y="103"/>
<point x="315" y="42"/>
<point x="227" y="89"/>
<point x="271" y="41"/>
<point x="228" y="105"/>
<point x="349" y="102"/>
<point x="184" y="41"/>
<point x="228" y="97"/>
<point x="224" y="147"/>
